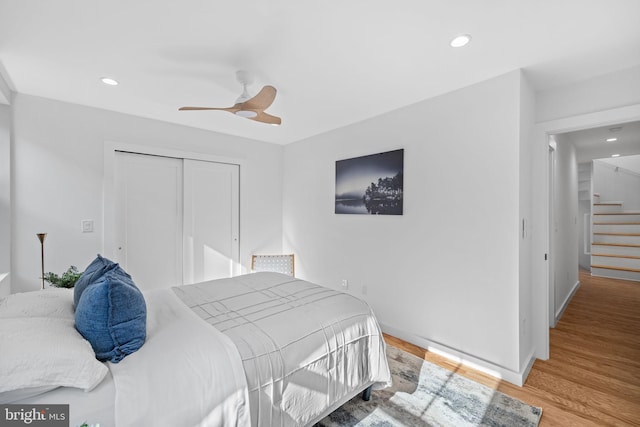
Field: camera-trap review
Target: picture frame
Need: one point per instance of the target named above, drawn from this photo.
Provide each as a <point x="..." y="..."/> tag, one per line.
<point x="371" y="184"/>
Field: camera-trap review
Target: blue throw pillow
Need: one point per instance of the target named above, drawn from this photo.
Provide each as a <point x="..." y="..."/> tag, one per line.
<point x="92" y="273"/>
<point x="112" y="316"/>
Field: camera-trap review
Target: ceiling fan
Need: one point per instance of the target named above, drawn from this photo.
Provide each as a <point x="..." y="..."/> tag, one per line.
<point x="247" y="106"/>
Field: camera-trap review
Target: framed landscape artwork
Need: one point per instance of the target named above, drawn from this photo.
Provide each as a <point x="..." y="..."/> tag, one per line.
<point x="370" y="184"/>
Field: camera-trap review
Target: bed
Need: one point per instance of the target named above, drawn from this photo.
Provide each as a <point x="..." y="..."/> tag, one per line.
<point x="262" y="349"/>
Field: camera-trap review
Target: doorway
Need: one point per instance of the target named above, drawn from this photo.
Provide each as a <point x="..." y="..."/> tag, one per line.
<point x="542" y="270"/>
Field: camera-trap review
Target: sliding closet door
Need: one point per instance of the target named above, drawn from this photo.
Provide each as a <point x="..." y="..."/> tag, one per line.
<point x="177" y="221"/>
<point x="149" y="221"/>
<point x="211" y="220"/>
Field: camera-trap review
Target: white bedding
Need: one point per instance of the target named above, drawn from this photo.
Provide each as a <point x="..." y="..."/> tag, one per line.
<point x="168" y="382"/>
<point x="186" y="373"/>
<point x="304" y="347"/>
<point x="272" y="351"/>
<point x="95" y="407"/>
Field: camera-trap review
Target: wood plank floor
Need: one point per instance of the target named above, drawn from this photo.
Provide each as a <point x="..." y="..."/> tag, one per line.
<point x="592" y="377"/>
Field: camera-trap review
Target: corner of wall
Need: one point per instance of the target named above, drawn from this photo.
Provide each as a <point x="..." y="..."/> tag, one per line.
<point x="566" y="301"/>
<point x="5" y="86"/>
<point x="5" y="199"/>
<point x="525" y="308"/>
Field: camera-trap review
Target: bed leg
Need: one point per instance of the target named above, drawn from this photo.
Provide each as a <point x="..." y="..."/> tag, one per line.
<point x="366" y="394"/>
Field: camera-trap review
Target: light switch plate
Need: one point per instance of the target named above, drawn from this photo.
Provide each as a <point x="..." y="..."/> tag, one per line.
<point x="86" y="225"/>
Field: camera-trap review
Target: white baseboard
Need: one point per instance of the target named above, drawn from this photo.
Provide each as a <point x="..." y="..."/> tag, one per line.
<point x="500" y="372"/>
<point x="566" y="301"/>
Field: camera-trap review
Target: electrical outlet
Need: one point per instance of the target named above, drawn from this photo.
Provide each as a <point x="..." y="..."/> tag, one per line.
<point x="345" y="283"/>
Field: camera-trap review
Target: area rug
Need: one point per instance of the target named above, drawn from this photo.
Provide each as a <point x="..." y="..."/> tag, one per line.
<point x="424" y="394"/>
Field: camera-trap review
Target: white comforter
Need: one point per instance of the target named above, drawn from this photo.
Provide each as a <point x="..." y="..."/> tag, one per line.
<point x="186" y="374"/>
<point x="305" y="348"/>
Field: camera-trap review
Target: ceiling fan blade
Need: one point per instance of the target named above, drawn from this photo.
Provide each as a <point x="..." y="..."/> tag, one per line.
<point x="230" y="109"/>
<point x="262" y="100"/>
<point x="267" y="118"/>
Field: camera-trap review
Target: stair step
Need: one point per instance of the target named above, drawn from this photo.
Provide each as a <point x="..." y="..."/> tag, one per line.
<point x="611" y="237"/>
<point x="607" y="207"/>
<point x="616" y="227"/>
<point x="623" y="250"/>
<point x="626" y="245"/>
<point x="617" y="256"/>
<point x="616" y="261"/>
<point x="620" y="213"/>
<point x="615" y="273"/>
<point x="609" y="267"/>
<point x="624" y="216"/>
<point x="615" y="223"/>
<point x="617" y="234"/>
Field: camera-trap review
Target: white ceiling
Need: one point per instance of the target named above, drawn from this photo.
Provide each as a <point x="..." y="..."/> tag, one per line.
<point x="592" y="143"/>
<point x="333" y="62"/>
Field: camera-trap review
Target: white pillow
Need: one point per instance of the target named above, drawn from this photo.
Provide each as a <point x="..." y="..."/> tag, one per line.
<point x="46" y="352"/>
<point x="51" y="302"/>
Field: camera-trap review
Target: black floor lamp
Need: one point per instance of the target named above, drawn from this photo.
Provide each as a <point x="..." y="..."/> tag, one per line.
<point x="41" y="236"/>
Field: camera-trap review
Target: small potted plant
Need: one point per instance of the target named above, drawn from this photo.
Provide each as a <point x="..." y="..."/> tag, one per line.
<point x="67" y="280"/>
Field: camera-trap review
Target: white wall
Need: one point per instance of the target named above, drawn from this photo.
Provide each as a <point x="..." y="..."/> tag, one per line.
<point x="5" y="199"/>
<point x="5" y="91"/>
<point x="58" y="181"/>
<point x="598" y="94"/>
<point x="584" y="213"/>
<point x="566" y="228"/>
<point x="615" y="183"/>
<point x="447" y="271"/>
<point x="526" y="124"/>
<point x="631" y="163"/>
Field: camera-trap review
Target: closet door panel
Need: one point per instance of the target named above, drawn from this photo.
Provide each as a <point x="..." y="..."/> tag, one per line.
<point x="211" y="220"/>
<point x="149" y="219"/>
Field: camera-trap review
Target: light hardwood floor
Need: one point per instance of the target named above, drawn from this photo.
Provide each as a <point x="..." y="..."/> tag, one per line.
<point x="592" y="377"/>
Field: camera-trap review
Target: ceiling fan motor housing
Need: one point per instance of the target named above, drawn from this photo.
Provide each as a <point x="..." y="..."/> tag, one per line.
<point x="246" y="113"/>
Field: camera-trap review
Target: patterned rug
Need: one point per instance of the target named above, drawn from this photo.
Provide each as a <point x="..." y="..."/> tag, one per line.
<point x="424" y="394"/>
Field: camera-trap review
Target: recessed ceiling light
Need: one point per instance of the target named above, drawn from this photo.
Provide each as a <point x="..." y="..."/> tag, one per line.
<point x="615" y="155"/>
<point x="109" y="81"/>
<point x="612" y="139"/>
<point x="461" y="40"/>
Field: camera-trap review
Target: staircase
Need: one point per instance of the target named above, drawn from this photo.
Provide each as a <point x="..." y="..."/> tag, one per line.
<point x="615" y="243"/>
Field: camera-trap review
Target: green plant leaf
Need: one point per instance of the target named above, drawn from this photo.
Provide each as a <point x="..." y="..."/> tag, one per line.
<point x="67" y="280"/>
